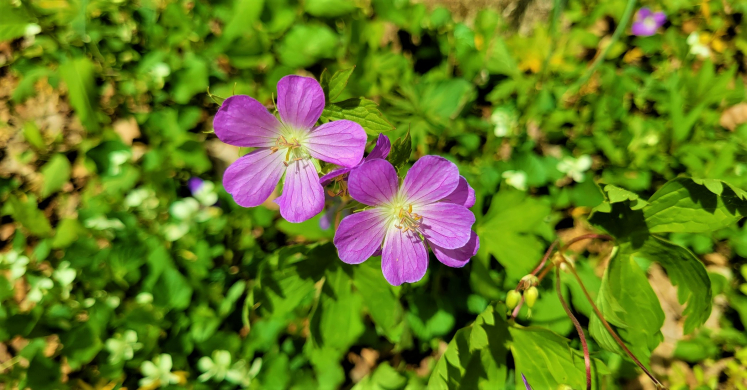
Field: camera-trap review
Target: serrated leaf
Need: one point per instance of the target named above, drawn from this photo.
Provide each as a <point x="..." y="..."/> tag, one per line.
<point x="360" y="110"/>
<point x="476" y="356"/>
<point x="56" y="173"/>
<point x="687" y="273"/>
<point x="78" y="75"/>
<point x="401" y="150"/>
<point x="617" y="194"/>
<point x="338" y="82"/>
<point x="547" y="361"/>
<point x="628" y="302"/>
<point x="683" y="206"/>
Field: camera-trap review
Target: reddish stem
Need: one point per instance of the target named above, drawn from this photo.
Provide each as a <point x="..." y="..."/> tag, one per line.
<point x="579" y="329"/>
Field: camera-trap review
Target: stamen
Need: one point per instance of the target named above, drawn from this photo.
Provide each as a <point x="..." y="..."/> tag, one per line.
<point x="408" y="221"/>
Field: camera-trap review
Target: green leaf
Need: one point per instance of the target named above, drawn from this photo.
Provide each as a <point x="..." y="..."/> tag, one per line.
<point x="683" y="206"/>
<point x="383" y="305"/>
<point x="78" y="75"/>
<point x="384" y="378"/>
<point x="173" y="290"/>
<point x="628" y="302"/>
<point x="476" y="356"/>
<point x="66" y="233"/>
<point x="329" y="8"/>
<point x="338" y="82"/>
<point x="547" y="361"/>
<point x="80" y="345"/>
<point x="43" y="373"/>
<point x="687" y="273"/>
<point x="28" y="214"/>
<point x="337" y="321"/>
<point x="401" y="150"/>
<point x="56" y="173"/>
<point x="245" y="14"/>
<point x="14" y="22"/>
<point x="499" y="59"/>
<point x="361" y="110"/>
<point x="32" y="135"/>
<point x="191" y="80"/>
<point x="305" y="44"/>
<point x="617" y="194"/>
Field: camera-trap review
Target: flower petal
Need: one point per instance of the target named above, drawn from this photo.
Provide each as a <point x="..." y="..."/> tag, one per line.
<point x="300" y="101"/>
<point x="404" y="258"/>
<point x="360" y="235"/>
<point x="660" y="18"/>
<point x="458" y="257"/>
<point x="382" y="148"/>
<point x="642" y="13"/>
<point x="303" y="196"/>
<point x="447" y="225"/>
<point x="373" y="183"/>
<point x="430" y="179"/>
<point x="252" y="178"/>
<point x="463" y="195"/>
<point x="243" y="121"/>
<point x="339" y="142"/>
<point x="326" y="179"/>
<point x="643" y="29"/>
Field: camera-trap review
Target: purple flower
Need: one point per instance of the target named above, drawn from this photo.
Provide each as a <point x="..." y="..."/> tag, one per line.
<point x="381" y="150"/>
<point x="431" y="207"/>
<point x="646" y="22"/>
<point x="289" y="147"/>
<point x="195" y="185"/>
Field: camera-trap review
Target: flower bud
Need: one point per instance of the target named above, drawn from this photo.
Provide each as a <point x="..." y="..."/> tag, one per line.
<point x="512" y="299"/>
<point x="530" y="296"/>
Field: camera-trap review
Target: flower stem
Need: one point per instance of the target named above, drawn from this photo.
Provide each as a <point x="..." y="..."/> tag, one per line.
<point x="579" y="329"/>
<point x="614" y="335"/>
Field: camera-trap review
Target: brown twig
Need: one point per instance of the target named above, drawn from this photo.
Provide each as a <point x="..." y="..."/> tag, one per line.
<point x="610" y="330"/>
<point x="579" y="329"/>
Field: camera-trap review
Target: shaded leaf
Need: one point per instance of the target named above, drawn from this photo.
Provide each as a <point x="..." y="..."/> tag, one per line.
<point x="360" y="110"/>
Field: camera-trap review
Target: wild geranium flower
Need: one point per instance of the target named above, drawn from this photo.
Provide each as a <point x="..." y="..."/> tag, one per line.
<point x="646" y="22"/>
<point x="430" y="208"/>
<point x="380" y="150"/>
<point x="288" y="146"/>
<point x="526" y="384"/>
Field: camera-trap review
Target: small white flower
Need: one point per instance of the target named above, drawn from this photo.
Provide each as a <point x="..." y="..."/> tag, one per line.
<point x="516" y="179"/>
<point x="39" y="289"/>
<point x="100" y="222"/>
<point x="31" y="30"/>
<point x="144" y="298"/>
<point x="144" y="197"/>
<point x="697" y="47"/>
<point x="16" y="262"/>
<point x="219" y="368"/>
<point x="175" y="231"/>
<point x="184" y="209"/>
<point x="65" y="276"/>
<point x="158" y="372"/>
<point x="123" y="347"/>
<point x="206" y="194"/>
<point x="117" y="159"/>
<point x="575" y="167"/>
<point x="504" y="120"/>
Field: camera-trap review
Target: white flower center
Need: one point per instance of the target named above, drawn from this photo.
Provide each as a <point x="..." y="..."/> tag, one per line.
<point x="293" y="143"/>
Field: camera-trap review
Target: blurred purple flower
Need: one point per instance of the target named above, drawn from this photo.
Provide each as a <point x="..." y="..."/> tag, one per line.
<point x="430" y="208"/>
<point x="195" y="184"/>
<point x="526" y="384"/>
<point x="381" y="150"/>
<point x="288" y="146"/>
<point x="646" y="22"/>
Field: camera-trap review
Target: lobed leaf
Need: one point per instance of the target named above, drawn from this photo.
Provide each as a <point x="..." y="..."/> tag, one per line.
<point x="361" y="110"/>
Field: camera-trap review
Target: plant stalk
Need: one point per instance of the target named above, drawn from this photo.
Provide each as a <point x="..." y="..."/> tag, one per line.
<point x="579" y="329"/>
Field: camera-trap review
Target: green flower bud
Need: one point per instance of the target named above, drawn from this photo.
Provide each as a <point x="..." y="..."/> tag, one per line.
<point x="530" y="296"/>
<point x="512" y="299"/>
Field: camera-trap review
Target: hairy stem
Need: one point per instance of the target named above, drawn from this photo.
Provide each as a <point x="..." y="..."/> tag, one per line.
<point x="585" y="237"/>
<point x="615" y="36"/>
<point x="579" y="329"/>
<point x="610" y="330"/>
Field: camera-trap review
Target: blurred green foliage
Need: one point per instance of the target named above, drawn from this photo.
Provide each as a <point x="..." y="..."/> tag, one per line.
<point x="114" y="275"/>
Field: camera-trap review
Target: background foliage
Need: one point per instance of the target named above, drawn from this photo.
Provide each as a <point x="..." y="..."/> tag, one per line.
<point x="115" y="275"/>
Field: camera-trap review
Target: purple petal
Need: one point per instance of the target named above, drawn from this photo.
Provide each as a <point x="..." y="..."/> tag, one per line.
<point x="526" y="384"/>
<point x="642" y="14"/>
<point x="382" y="148"/>
<point x="252" y="178"/>
<point x="643" y="29"/>
<point x="447" y="225"/>
<point x="360" y="235"/>
<point x="340" y="142"/>
<point x="463" y="195"/>
<point x="303" y="196"/>
<point x="300" y="101"/>
<point x="326" y="179"/>
<point x="660" y="18"/>
<point x="243" y="121"/>
<point x="458" y="257"/>
<point x="373" y="183"/>
<point x="194" y="184"/>
<point x="404" y="258"/>
<point x="430" y="179"/>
